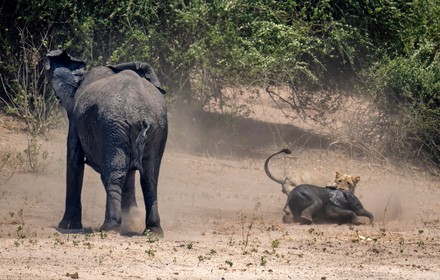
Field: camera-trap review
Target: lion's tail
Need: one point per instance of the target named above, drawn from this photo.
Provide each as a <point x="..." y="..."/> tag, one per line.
<point x="266" y="166"/>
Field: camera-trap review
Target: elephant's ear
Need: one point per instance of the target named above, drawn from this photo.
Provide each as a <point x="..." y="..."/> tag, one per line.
<point x="60" y="58"/>
<point x="65" y="74"/>
<point x="142" y="69"/>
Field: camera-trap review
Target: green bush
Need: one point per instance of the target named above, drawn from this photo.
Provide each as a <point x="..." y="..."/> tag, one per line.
<point x="407" y="90"/>
<point x="319" y="50"/>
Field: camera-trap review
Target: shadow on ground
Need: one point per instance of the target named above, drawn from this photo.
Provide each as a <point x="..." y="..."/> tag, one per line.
<point x="231" y="136"/>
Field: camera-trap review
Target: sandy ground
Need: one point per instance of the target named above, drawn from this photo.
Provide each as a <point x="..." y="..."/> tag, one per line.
<point x="221" y="215"/>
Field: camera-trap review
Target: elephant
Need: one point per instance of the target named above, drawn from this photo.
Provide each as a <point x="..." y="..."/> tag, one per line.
<point x="117" y="125"/>
<point x="310" y="204"/>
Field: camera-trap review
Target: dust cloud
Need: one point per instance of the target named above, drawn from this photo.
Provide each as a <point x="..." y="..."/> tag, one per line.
<point x="221" y="215"/>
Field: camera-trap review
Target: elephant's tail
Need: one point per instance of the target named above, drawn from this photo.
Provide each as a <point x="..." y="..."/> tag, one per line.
<point x="141" y="140"/>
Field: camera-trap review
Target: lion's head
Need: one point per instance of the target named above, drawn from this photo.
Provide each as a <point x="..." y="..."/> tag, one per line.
<point x="346" y="182"/>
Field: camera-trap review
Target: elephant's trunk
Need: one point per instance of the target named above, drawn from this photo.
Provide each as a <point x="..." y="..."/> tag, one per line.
<point x="367" y="214"/>
<point x="371" y="217"/>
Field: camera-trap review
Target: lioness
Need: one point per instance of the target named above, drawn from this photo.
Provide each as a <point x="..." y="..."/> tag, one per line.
<point x="342" y="182"/>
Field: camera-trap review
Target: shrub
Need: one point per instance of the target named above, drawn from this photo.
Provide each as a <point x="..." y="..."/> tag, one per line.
<point x="407" y="91"/>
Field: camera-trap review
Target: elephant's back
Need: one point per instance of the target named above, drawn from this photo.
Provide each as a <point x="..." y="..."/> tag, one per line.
<point x="302" y="193"/>
<point x="307" y="188"/>
<point x="122" y="96"/>
<point x="111" y="111"/>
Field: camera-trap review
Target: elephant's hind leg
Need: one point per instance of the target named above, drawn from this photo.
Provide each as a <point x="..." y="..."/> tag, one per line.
<point x="315" y="205"/>
<point x="342" y="216"/>
<point x="129" y="193"/>
<point x="152" y="220"/>
<point x="149" y="180"/>
<point x="114" y="180"/>
<point x="113" y="186"/>
<point x="288" y="217"/>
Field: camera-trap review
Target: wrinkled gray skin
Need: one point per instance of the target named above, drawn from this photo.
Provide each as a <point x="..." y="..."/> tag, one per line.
<point x="312" y="204"/>
<point x="117" y="125"/>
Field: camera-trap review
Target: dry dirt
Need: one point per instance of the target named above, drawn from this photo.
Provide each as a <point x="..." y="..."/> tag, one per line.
<point x="221" y="215"/>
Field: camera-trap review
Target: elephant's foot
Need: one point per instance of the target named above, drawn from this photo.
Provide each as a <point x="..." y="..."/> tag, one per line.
<point x="287" y="218"/>
<point x="66" y="224"/>
<point x="110" y="226"/>
<point x="306" y="219"/>
<point x="155" y="232"/>
<point x="356" y="221"/>
<point x="127" y="210"/>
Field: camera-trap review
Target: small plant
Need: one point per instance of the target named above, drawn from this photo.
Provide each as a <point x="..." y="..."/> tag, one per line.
<point x="87" y="236"/>
<point x="20" y="232"/>
<point x="230" y="263"/>
<point x="189" y="246"/>
<point x="150" y="252"/>
<point x="275" y="243"/>
<point x="263" y="261"/>
<point x="17" y="218"/>
<point x="72" y="275"/>
<point x="88" y="245"/>
<point x="33" y="241"/>
<point x="150" y="237"/>
<point x="207" y="256"/>
<point x="246" y="230"/>
<point x="58" y="241"/>
<point x="201" y="259"/>
<point x="103" y="234"/>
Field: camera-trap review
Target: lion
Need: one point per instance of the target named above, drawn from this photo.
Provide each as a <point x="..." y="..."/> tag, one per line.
<point x="342" y="181"/>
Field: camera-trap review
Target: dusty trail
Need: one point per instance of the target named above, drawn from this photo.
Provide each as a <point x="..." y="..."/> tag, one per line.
<point x="222" y="219"/>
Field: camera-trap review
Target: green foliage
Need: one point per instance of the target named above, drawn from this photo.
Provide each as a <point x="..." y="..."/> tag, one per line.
<point x="261" y="42"/>
<point x="27" y="96"/>
<point x="407" y="87"/>
<point x="318" y="50"/>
